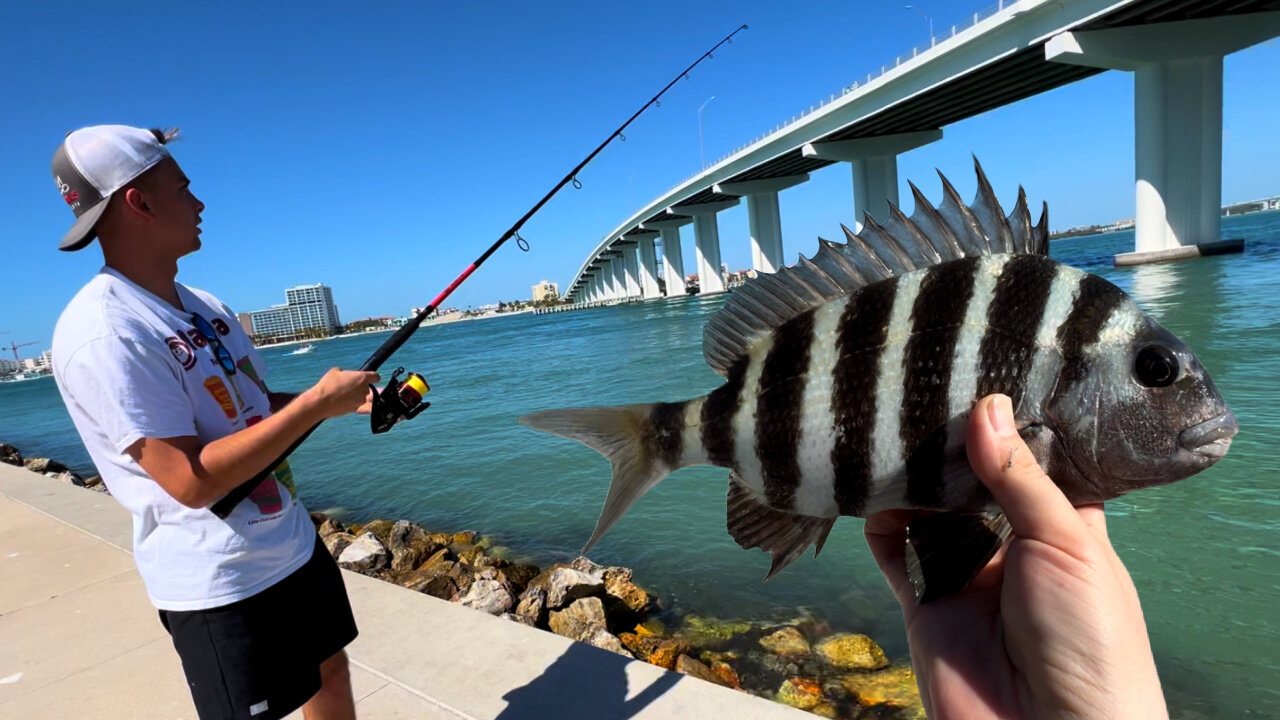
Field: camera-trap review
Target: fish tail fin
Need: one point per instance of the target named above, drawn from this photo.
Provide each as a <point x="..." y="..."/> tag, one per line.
<point x="623" y="435"/>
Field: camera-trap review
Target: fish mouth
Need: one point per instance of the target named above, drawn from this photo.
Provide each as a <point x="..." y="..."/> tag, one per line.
<point x="1211" y="437"/>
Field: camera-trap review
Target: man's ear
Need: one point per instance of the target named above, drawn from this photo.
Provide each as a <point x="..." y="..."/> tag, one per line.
<point x="136" y="202"/>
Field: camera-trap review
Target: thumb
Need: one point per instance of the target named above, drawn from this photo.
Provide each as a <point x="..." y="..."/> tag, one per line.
<point x="1036" y="508"/>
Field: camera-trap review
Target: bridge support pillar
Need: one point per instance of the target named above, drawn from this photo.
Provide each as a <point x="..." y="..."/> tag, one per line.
<point x="764" y="217"/>
<point x="874" y="161"/>
<point x="706" y="233"/>
<point x="648" y="267"/>
<point x="630" y="269"/>
<point x="1177" y="70"/>
<point x="672" y="254"/>
<point x="619" y="281"/>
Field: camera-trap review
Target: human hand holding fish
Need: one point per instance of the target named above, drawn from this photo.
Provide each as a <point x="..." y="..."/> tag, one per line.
<point x="1051" y="627"/>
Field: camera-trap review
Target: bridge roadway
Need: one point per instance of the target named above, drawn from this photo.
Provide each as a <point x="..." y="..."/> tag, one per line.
<point x="1174" y="47"/>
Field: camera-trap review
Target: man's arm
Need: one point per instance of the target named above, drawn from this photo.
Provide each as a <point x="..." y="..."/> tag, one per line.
<point x="278" y="400"/>
<point x="198" y="475"/>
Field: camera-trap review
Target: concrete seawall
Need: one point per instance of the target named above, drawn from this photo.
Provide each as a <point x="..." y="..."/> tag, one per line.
<point x="81" y="639"/>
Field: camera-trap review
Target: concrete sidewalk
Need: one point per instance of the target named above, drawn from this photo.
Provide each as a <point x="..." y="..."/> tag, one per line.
<point x="78" y="638"/>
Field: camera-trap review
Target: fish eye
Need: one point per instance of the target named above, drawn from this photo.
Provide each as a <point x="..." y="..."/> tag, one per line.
<point x="1156" y="366"/>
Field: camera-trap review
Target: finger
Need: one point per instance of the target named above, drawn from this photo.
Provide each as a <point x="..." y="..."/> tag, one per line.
<point x="886" y="534"/>
<point x="372" y="378"/>
<point x="1095" y="518"/>
<point x="1036" y="508"/>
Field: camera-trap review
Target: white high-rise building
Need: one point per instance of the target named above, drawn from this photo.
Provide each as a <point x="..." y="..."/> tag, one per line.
<point x="306" y="307"/>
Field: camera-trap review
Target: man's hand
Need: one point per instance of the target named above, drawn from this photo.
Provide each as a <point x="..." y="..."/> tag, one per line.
<point x="340" y="392"/>
<point x="1052" y="627"/>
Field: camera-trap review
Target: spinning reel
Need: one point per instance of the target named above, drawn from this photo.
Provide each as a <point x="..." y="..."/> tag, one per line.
<point x="398" y="401"/>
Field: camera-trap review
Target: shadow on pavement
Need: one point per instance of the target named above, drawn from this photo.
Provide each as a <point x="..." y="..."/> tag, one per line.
<point x="584" y="682"/>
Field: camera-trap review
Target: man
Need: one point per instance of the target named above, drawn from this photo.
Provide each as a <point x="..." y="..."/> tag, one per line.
<point x="167" y="393"/>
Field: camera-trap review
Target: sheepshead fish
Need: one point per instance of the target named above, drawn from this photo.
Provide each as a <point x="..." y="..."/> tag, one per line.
<point x="849" y="378"/>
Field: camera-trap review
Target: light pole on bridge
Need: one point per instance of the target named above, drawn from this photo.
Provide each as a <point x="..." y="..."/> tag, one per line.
<point x="926" y="16"/>
<point x="701" y="153"/>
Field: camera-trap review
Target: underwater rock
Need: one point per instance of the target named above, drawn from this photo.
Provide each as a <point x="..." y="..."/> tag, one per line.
<point x="580" y="619"/>
<point x="44" y="465"/>
<point x="462" y="541"/>
<point x="852" y="652"/>
<point x="801" y="693"/>
<point x="489" y="592"/>
<point x="9" y="455"/>
<point x="409" y="546"/>
<point x="565" y="585"/>
<point x="695" y="668"/>
<point x="533" y="607"/>
<point x="335" y="543"/>
<point x="788" y="643"/>
<point x="710" y="632"/>
<point x="367" y="554"/>
<point x="895" y="687"/>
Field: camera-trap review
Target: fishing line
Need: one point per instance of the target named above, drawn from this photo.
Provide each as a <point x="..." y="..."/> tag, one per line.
<point x="394" y="402"/>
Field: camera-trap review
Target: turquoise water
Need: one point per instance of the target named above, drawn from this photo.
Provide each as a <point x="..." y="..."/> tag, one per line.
<point x="1204" y="553"/>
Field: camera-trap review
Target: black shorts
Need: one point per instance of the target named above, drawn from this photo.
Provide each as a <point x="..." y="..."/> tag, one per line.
<point x="259" y="658"/>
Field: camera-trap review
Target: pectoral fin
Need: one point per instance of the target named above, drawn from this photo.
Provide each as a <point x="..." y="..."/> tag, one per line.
<point x="946" y="550"/>
<point x="782" y="534"/>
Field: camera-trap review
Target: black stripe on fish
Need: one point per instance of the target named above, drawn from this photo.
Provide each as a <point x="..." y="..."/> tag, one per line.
<point x="717" y="416"/>
<point x="1013" y="319"/>
<point x="666" y="431"/>
<point x="782" y="383"/>
<point x="936" y="317"/>
<point x="863" y="328"/>
<point x="1094" y="304"/>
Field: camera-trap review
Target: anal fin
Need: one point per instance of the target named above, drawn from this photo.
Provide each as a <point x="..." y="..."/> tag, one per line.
<point x="782" y="534"/>
<point x="946" y="550"/>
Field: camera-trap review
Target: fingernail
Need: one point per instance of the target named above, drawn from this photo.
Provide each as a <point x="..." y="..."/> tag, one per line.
<point x="1000" y="413"/>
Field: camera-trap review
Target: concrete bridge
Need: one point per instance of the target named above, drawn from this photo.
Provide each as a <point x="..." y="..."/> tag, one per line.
<point x="1174" y="48"/>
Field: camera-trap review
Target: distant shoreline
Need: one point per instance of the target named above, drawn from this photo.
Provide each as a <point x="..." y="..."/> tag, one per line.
<point x="450" y="318"/>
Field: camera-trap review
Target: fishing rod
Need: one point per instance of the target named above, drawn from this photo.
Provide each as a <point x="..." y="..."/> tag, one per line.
<point x="403" y="400"/>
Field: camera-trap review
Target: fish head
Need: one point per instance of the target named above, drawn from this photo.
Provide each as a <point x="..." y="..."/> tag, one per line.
<point x="1142" y="411"/>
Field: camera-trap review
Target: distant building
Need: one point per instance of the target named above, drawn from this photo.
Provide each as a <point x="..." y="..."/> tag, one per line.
<point x="307" y="307"/>
<point x="546" y="291"/>
<point x="46" y="360"/>
<point x="8" y="367"/>
<point x="246" y="322"/>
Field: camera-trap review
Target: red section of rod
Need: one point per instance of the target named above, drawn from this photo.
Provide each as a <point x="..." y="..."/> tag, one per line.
<point x="454" y="285"/>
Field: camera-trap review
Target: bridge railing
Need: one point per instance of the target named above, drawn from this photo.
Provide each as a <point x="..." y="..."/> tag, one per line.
<point x="939" y="39"/>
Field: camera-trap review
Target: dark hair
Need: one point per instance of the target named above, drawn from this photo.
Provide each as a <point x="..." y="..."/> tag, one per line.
<point x="164" y="136"/>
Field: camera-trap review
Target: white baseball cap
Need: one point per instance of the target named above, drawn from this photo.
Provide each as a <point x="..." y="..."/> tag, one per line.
<point x="94" y="162"/>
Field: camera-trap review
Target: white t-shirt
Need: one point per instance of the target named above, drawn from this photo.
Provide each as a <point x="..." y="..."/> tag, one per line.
<point x="129" y="365"/>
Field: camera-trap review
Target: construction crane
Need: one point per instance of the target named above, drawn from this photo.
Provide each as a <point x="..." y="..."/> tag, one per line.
<point x="14" y="346"/>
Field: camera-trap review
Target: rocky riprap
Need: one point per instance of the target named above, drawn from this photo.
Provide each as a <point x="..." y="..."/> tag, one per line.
<point x="799" y="663"/>
<point x="50" y="468"/>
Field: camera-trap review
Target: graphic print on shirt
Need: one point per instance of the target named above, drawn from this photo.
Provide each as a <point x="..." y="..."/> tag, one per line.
<point x="182" y="352"/>
<point x="218" y="390"/>
<point x="267" y="495"/>
<point x="246" y="367"/>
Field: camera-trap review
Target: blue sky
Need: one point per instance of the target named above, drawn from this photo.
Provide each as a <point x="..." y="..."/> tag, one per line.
<point x="379" y="148"/>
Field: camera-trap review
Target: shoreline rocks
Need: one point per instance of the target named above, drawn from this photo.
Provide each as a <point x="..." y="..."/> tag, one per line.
<point x="800" y="663"/>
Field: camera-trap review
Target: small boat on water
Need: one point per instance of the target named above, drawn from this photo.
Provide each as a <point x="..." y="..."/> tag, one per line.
<point x="302" y="350"/>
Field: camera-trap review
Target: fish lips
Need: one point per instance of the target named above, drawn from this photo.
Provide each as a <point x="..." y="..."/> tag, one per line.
<point x="1210" y="438"/>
